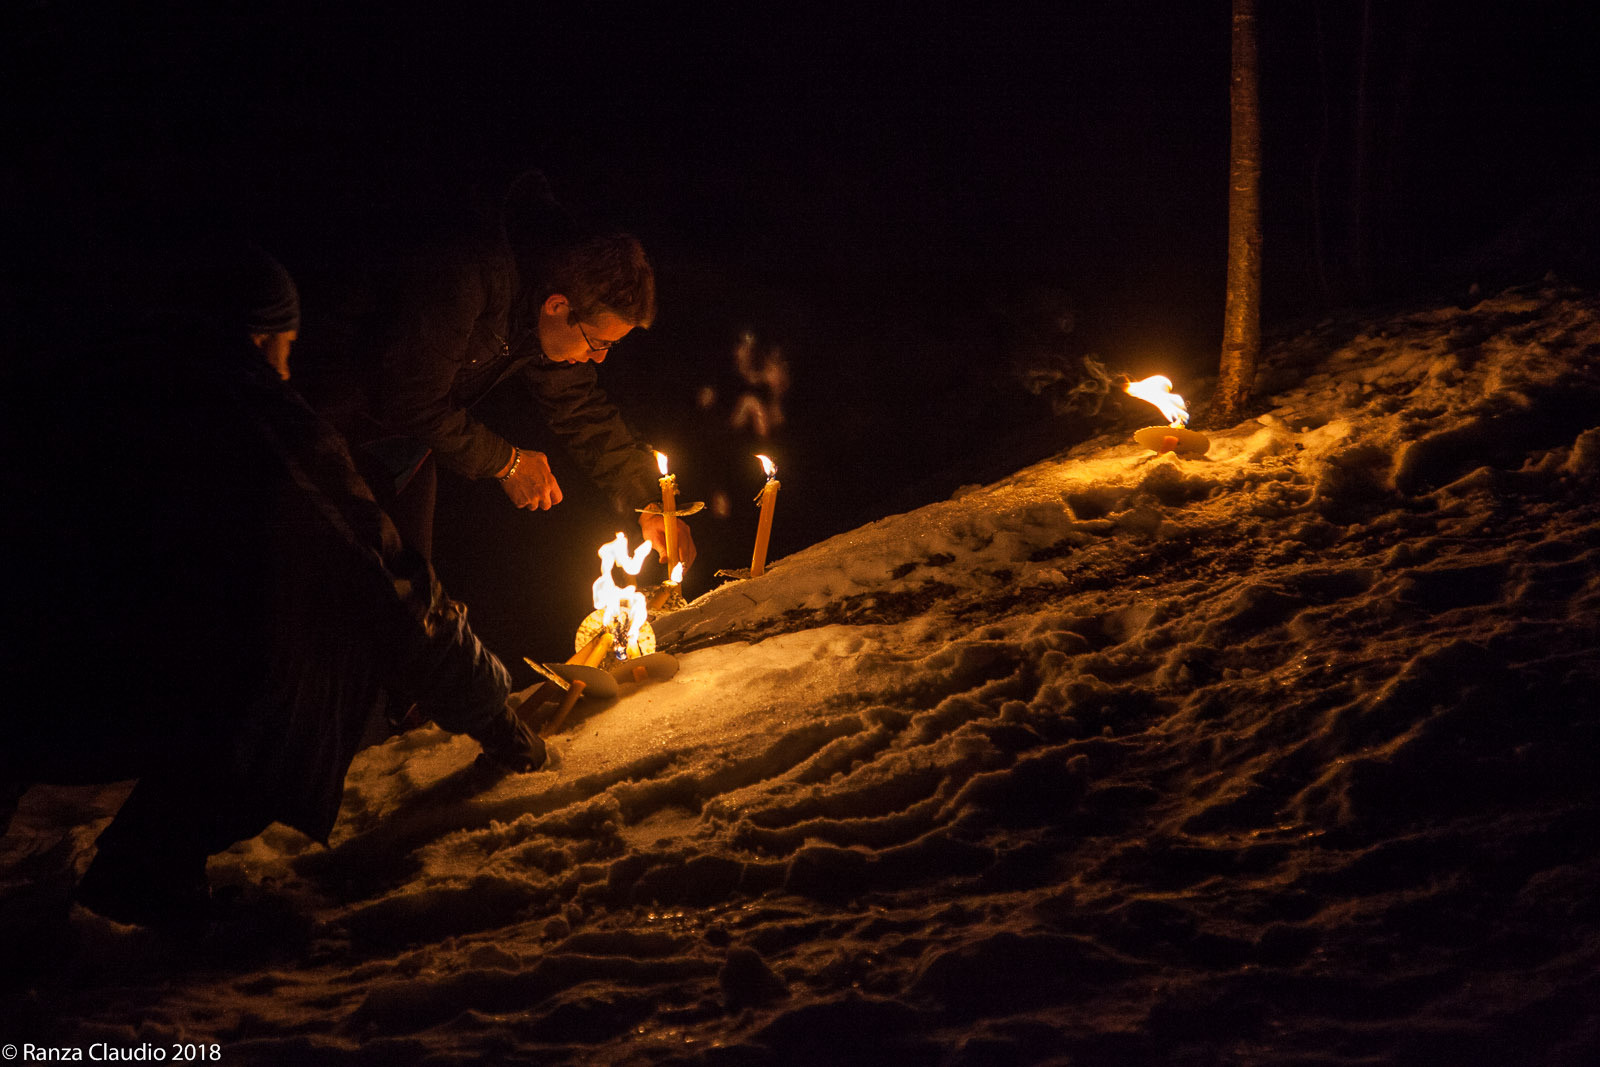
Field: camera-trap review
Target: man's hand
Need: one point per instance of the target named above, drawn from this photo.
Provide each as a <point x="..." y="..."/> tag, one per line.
<point x="655" y="531"/>
<point x="531" y="485"/>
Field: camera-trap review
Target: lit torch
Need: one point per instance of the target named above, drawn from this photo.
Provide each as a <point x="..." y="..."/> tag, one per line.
<point x="1173" y="437"/>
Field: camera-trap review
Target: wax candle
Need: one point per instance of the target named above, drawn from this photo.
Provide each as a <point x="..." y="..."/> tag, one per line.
<point x="574" y="693"/>
<point x="584" y="654"/>
<point x="602" y="650"/>
<point x="662" y="595"/>
<point x="768" y="498"/>
<point x="669" y="508"/>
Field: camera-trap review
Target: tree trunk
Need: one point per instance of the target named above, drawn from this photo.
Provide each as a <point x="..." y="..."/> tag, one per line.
<point x="1241" y="324"/>
<point x="1320" y="251"/>
<point x="1361" y="190"/>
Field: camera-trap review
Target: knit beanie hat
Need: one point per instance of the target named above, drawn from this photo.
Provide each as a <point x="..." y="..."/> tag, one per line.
<point x="259" y="294"/>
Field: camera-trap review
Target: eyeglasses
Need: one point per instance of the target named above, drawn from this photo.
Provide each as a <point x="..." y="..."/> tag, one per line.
<point x="594" y="346"/>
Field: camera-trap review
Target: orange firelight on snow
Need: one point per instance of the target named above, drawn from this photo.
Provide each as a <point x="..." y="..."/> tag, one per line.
<point x="1157" y="390"/>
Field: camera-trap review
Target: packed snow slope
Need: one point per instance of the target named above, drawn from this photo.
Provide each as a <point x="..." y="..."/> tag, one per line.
<point x="1283" y="755"/>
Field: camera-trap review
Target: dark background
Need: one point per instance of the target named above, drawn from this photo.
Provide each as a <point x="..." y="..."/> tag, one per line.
<point x="908" y="202"/>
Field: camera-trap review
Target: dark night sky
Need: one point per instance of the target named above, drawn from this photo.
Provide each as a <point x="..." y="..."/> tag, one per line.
<point x="1080" y="144"/>
<point x="880" y="190"/>
<point x="828" y="149"/>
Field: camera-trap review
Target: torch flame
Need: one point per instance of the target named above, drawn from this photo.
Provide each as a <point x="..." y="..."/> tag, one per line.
<point x="1157" y="390"/>
<point x="661" y="462"/>
<point x="767" y="465"/>
<point x="623" y="604"/>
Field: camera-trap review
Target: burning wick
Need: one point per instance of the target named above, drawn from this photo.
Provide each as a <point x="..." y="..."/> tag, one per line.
<point x="1174" y="437"/>
<point x="669" y="510"/>
<point x="767" y="498"/>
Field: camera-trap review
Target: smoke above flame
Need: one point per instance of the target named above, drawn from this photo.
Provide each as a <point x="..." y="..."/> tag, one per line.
<point x="1157" y="390"/>
<point x="759" y="407"/>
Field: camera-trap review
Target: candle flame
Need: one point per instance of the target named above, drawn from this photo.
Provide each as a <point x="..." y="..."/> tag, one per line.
<point x="661" y="462"/>
<point x="767" y="465"/>
<point x="624" y="607"/>
<point x="677" y="574"/>
<point x="1157" y="390"/>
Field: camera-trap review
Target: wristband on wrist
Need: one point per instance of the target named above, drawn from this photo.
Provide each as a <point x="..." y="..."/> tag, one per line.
<point x="516" y="458"/>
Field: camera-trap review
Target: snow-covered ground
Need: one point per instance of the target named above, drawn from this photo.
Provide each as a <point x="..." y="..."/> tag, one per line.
<point x="1286" y="755"/>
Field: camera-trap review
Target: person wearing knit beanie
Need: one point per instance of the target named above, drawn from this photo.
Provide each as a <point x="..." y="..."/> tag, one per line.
<point x="254" y="291"/>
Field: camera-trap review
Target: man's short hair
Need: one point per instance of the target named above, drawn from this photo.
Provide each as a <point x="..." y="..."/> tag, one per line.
<point x="605" y="273"/>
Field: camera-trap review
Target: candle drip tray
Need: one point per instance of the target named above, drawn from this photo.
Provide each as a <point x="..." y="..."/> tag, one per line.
<point x="691" y="508"/>
<point x="1174" y="439"/>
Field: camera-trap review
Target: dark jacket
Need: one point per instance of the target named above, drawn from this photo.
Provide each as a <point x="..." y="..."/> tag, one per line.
<point x="209" y="585"/>
<point x="426" y="331"/>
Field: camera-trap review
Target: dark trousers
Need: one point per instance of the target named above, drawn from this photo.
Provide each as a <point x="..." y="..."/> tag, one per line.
<point x="410" y="506"/>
